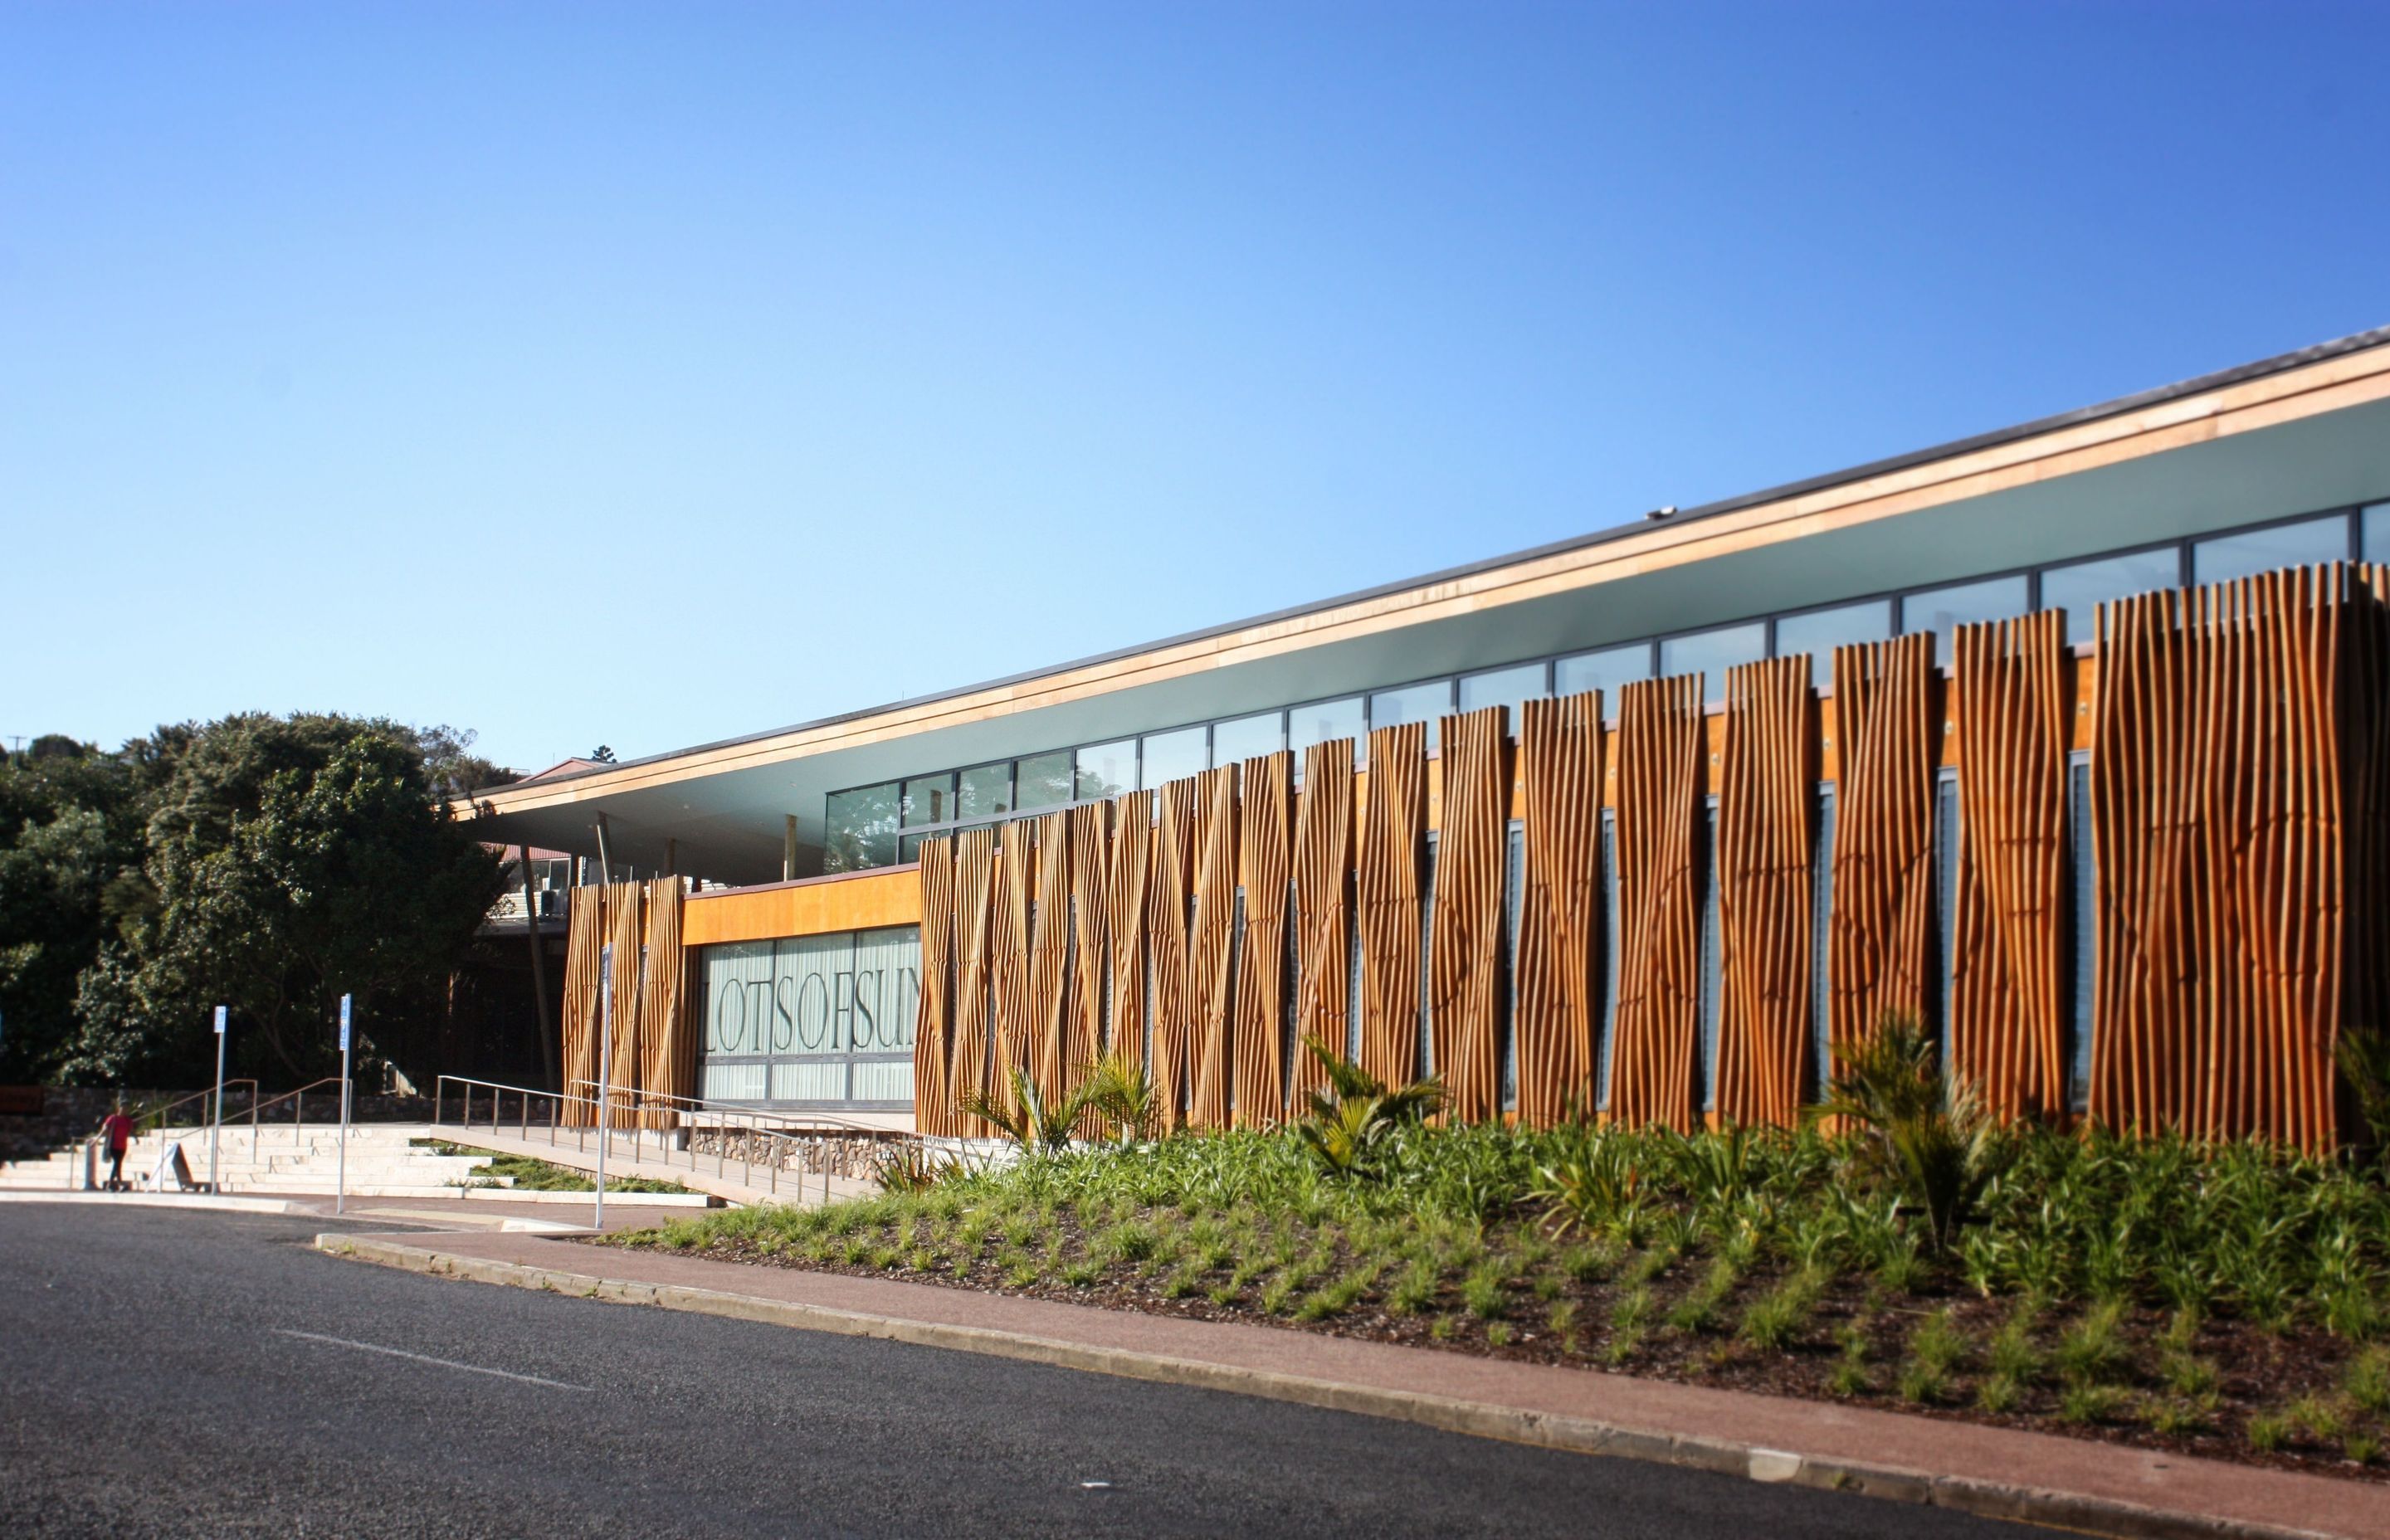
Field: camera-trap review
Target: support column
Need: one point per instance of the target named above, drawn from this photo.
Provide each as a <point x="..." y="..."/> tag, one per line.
<point x="789" y="849"/>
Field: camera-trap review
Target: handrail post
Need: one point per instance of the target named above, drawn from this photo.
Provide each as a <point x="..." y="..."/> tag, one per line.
<point x="438" y="1092"/>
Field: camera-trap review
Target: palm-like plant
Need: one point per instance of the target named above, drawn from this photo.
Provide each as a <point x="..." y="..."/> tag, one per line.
<point x="1930" y="1141"/>
<point x="1026" y="1118"/>
<point x="1354" y="1110"/>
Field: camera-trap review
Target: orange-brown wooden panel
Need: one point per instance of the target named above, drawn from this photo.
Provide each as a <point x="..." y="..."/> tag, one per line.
<point x="1765" y="883"/>
<point x="1466" y="939"/>
<point x="1259" y="1033"/>
<point x="1323" y="908"/>
<point x="1662" y="770"/>
<point x="1165" y="927"/>
<point x="1008" y="961"/>
<point x="2011" y="699"/>
<point x="974" y="1010"/>
<point x="1560" y="764"/>
<point x="667" y="1037"/>
<point x="584" y="947"/>
<point x="1877" y="950"/>
<point x="1128" y="868"/>
<point x="1393" y="830"/>
<point x="1091" y="937"/>
<point x="1211" y="945"/>
<point x="933" y="1020"/>
<point x="627" y="917"/>
<point x="2365" y="802"/>
<point x="1050" y="956"/>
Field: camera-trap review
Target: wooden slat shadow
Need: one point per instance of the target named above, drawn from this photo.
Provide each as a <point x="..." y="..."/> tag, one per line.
<point x="1766" y="793"/>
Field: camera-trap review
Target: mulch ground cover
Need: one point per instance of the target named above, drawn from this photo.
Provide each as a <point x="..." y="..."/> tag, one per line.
<point x="2221" y="1388"/>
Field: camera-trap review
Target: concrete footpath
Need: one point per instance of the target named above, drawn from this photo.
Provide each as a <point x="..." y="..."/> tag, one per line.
<point x="2071" y="1484"/>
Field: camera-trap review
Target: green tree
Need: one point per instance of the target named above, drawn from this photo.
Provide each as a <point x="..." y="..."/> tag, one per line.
<point x="70" y="839"/>
<point x="287" y="861"/>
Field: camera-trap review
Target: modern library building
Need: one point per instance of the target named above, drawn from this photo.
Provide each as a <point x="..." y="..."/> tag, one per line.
<point x="2068" y="741"/>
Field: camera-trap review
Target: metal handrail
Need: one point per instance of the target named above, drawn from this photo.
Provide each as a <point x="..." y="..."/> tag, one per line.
<point x="782" y="1144"/>
<point x="299" y="1119"/>
<point x="156" y="1119"/>
<point x="730" y="1109"/>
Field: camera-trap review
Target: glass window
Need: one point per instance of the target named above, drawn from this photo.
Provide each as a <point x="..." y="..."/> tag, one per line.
<point x="2082" y="588"/>
<point x="908" y="849"/>
<point x="2373" y="533"/>
<point x="1323" y="722"/>
<point x="985" y="792"/>
<point x="929" y="800"/>
<point x="1412" y="703"/>
<point x="1504" y="686"/>
<point x="2245" y="555"/>
<point x="1174" y="756"/>
<point x="1604" y="671"/>
<point x="1711" y="653"/>
<point x="1245" y="737"/>
<point x="1042" y="780"/>
<point x="1107" y="769"/>
<point x="862" y="829"/>
<point x="1941" y="610"/>
<point x="1819" y="632"/>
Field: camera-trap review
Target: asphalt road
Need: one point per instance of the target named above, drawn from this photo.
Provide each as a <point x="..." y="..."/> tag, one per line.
<point x="207" y="1374"/>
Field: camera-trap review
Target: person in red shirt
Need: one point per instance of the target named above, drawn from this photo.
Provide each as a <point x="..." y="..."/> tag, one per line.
<point x="118" y="1129"/>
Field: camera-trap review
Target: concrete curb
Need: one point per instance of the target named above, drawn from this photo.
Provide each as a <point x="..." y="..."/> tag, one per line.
<point x="1580" y="1435"/>
<point x="229" y="1203"/>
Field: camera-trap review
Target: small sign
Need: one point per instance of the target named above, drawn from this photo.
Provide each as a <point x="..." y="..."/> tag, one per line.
<point x="344" y="1023"/>
<point x="220" y="1021"/>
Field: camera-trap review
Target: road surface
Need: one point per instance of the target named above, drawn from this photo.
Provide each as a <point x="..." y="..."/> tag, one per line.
<point x="196" y="1373"/>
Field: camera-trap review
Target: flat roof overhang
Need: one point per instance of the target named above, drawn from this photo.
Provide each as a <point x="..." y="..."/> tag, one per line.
<point x="2293" y="435"/>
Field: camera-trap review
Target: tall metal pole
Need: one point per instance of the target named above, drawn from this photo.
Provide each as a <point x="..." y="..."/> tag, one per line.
<point x="605" y="1071"/>
<point x="340" y="1188"/>
<point x="216" y="1124"/>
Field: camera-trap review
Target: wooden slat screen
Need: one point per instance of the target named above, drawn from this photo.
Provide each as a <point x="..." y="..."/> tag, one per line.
<point x="1878" y="949"/>
<point x="1009" y="962"/>
<point x="1211" y="945"/>
<point x="1090" y="938"/>
<point x="1393" y="837"/>
<point x="2365" y="804"/>
<point x="1165" y="928"/>
<point x="2012" y="699"/>
<point x="1259" y="1031"/>
<point x="668" y="1030"/>
<point x="1560" y="768"/>
<point x="933" y="1110"/>
<point x="585" y="946"/>
<point x="1323" y="911"/>
<point x="1767" y="789"/>
<point x="1662" y="757"/>
<point x="626" y="931"/>
<point x="974" y="974"/>
<point x="1127" y="871"/>
<point x="1466" y="939"/>
<point x="2216" y="791"/>
<point x="1050" y="955"/>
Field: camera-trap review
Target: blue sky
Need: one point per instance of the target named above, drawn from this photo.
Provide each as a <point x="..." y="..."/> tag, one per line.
<point x="653" y="374"/>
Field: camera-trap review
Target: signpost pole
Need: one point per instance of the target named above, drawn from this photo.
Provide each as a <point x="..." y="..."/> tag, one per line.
<point x="340" y="1188"/>
<point x="216" y="1124"/>
<point x="605" y="1071"/>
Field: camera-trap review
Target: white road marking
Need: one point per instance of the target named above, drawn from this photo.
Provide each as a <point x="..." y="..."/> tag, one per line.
<point x="420" y="1358"/>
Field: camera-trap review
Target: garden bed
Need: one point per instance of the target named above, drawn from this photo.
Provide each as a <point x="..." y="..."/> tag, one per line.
<point x="2223" y="1303"/>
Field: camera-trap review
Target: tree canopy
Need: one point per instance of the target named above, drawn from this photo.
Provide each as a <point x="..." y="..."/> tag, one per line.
<point x="268" y="864"/>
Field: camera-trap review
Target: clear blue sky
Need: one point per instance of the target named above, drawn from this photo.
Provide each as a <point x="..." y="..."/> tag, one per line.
<point x="650" y="375"/>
